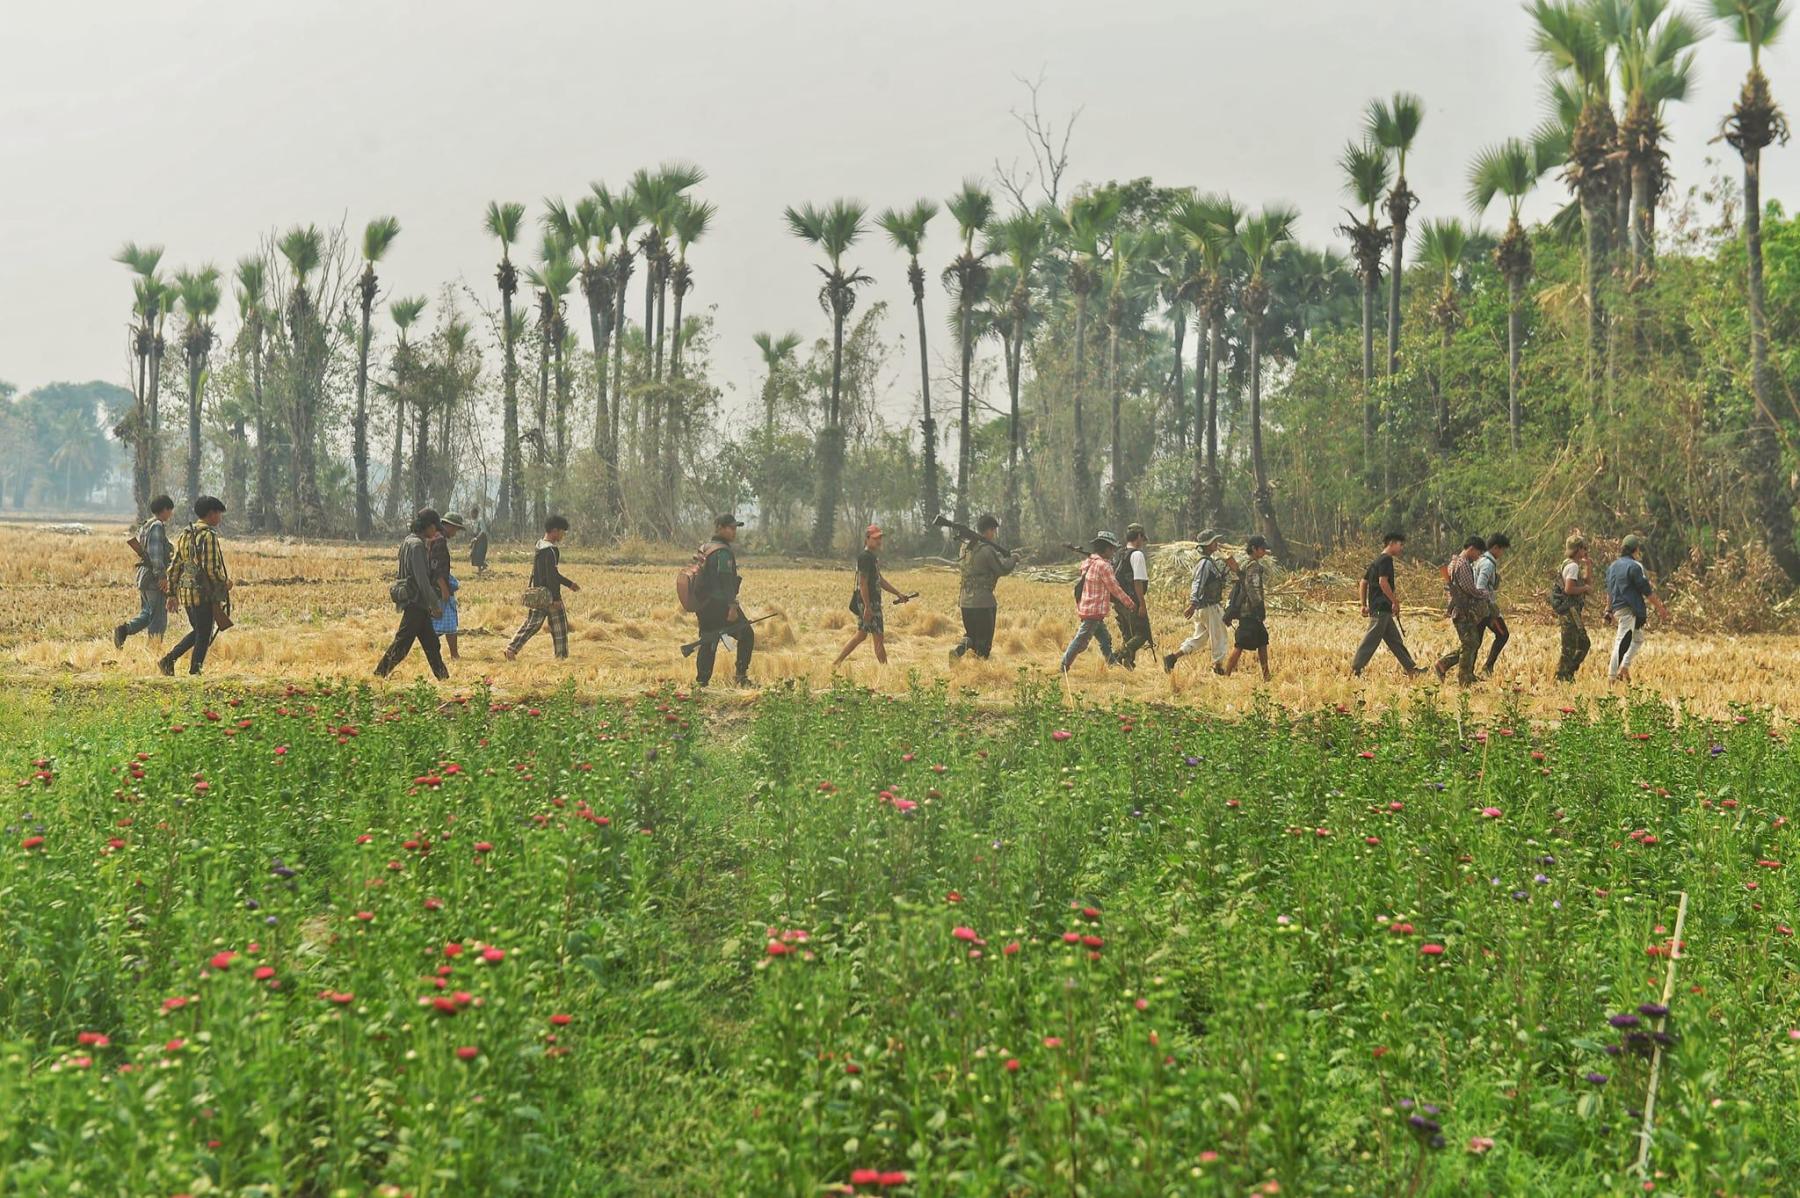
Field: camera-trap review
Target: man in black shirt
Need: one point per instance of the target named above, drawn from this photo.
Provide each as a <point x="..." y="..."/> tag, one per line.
<point x="865" y="600"/>
<point x="544" y="602"/>
<point x="716" y="590"/>
<point x="1381" y="606"/>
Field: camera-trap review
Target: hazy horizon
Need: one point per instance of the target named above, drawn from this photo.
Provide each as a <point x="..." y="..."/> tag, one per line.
<point x="201" y="126"/>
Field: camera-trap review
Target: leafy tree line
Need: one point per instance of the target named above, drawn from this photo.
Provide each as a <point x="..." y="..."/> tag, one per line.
<point x="54" y="449"/>
<point x="1128" y="350"/>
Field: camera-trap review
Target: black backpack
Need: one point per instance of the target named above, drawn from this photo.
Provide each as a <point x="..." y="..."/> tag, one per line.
<point x="1234" y="606"/>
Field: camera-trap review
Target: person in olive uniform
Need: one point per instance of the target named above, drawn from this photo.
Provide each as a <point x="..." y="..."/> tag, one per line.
<point x="983" y="562"/>
<point x="716" y="591"/>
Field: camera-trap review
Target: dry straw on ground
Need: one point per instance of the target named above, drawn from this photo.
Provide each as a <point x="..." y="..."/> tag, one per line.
<point x="307" y="610"/>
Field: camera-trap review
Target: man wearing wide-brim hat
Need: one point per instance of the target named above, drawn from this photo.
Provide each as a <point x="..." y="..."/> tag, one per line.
<point x="444" y="581"/>
<point x="1096" y="590"/>
<point x="1206" y="603"/>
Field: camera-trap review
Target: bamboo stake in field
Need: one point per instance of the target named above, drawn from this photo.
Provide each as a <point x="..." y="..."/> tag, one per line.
<point x="1643" y="1160"/>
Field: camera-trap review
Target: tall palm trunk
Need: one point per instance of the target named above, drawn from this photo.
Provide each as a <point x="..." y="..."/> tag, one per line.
<point x="155" y="408"/>
<point x="1591" y="173"/>
<point x="196" y="367"/>
<point x="831" y="437"/>
<point x="662" y="301"/>
<point x="1117" y="491"/>
<point x="421" y="471"/>
<point x="1371" y="405"/>
<point x="540" y="454"/>
<point x="237" y="468"/>
<point x="965" y="449"/>
<point x="140" y="424"/>
<point x="1399" y="206"/>
<point x="1754" y="123"/>
<point x="598" y="338"/>
<point x="390" y="510"/>
<point x="510" y="507"/>
<point x="1264" y="497"/>
<point x="615" y="494"/>
<point x="1215" y="484"/>
<point x="928" y="481"/>
<point x="1197" y="512"/>
<point x="365" y="522"/>
<point x="1014" y="361"/>
<point x="1084" y="476"/>
<point x="262" y="507"/>
<point x="562" y="401"/>
<point x="1440" y="399"/>
<point x="1178" y="406"/>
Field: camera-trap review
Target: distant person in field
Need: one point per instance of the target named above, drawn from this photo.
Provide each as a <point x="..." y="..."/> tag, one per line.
<point x="543" y="599"/>
<point x="983" y="563"/>
<point x="478" y="542"/>
<point x="1627" y="588"/>
<point x="1097" y="591"/>
<point x="1131" y="566"/>
<point x="421" y="599"/>
<point x="1575" y="579"/>
<point x="1468" y="606"/>
<point x="152" y="543"/>
<point x="198" y="583"/>
<point x="1252" y="618"/>
<point x="716" y="604"/>
<point x="1381" y="607"/>
<point x="865" y="600"/>
<point x="1487" y="578"/>
<point x="1206" y="605"/>
<point x="443" y="578"/>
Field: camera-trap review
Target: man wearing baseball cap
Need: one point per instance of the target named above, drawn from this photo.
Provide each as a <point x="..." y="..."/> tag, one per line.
<point x="716" y="593"/>
<point x="443" y="578"/>
<point x="1205" y="604"/>
<point x="865" y="600"/>
<point x="1627" y="587"/>
<point x="1252" y="632"/>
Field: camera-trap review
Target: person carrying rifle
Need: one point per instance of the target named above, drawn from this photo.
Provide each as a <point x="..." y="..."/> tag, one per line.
<point x="1098" y="589"/>
<point x="716" y="605"/>
<point x="152" y="545"/>
<point x="1468" y="608"/>
<point x="983" y="562"/>
<point x="198" y="584"/>
<point x="419" y="596"/>
<point x="1131" y="567"/>
<point x="865" y="600"/>
<point x="1381" y="606"/>
<point x="1204" y="605"/>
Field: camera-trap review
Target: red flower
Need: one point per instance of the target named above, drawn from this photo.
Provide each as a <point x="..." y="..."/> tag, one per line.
<point x="492" y="955"/>
<point x="1053" y="1042"/>
<point x="365" y="838"/>
<point x="467" y="1052"/>
<point x="264" y="973"/>
<point x="953" y="897"/>
<point x="434" y="904"/>
<point x="1432" y="950"/>
<point x="1012" y="1064"/>
<point x="1092" y="941"/>
<point x="365" y="916"/>
<point x="222" y="961"/>
<point x="453" y="949"/>
<point x="891" y="1179"/>
<point x="482" y="846"/>
<point x="93" y="1039"/>
<point x="1071" y="937"/>
<point x="1011" y="949"/>
<point x="175" y="1045"/>
<point x="865" y="1177"/>
<point x="965" y="934"/>
<point x="31" y="842"/>
<point x="778" y="949"/>
<point x="560" y="1020"/>
<point x="1090" y="913"/>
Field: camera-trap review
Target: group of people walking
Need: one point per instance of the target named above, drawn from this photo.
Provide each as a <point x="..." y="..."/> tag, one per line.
<point x="187" y="573"/>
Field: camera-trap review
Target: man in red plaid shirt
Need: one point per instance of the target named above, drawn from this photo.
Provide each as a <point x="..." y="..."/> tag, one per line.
<point x="1099" y="590"/>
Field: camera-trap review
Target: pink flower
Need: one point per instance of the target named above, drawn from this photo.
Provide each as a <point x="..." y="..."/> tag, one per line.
<point x="1053" y="1042"/>
<point x="1480" y="1144"/>
<point x="1061" y="734"/>
<point x="1012" y="1064"/>
<point x="965" y="934"/>
<point x="1011" y="949"/>
<point x="1490" y="813"/>
<point x="865" y="1177"/>
<point x="1431" y="950"/>
<point x="222" y="961"/>
<point x="467" y="1052"/>
<point x="492" y="955"/>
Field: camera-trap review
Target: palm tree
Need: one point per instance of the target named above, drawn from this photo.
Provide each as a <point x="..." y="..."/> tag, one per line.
<point x="1021" y="239"/>
<point x="1755" y="122"/>
<point x="1654" y="46"/>
<point x="834" y="229"/>
<point x="555" y="272"/>
<point x="619" y="214"/>
<point x="303" y="247"/>
<point x="777" y="355"/>
<point x="405" y="313"/>
<point x="658" y="195"/>
<point x="1087" y="221"/>
<point x="1568" y="38"/>
<point x="584" y="227"/>
<point x="971" y="207"/>
<point x="252" y="292"/>
<point x="1121" y="262"/>
<point x="148" y="292"/>
<point x="502" y="222"/>
<point x="199" y="293"/>
<point x="906" y="229"/>
<point x="1393" y="125"/>
<point x="1512" y="169"/>
<point x="1442" y="244"/>
<point x="691" y="223"/>
<point x="378" y="235"/>
<point x="1257" y="239"/>
<point x="1367" y="169"/>
<point x="1209" y="224"/>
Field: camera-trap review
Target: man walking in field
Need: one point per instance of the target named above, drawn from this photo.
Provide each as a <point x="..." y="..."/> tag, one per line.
<point x="152" y="545"/>
<point x="198" y="584"/>
<point x="1468" y="606"/>
<point x="865" y="600"/>
<point x="1098" y="589"/>
<point x="1627" y="587"/>
<point x="1487" y="578"/>
<point x="983" y="562"/>
<point x="419" y="596"/>
<point x="1131" y="567"/>
<point x="543" y="598"/>
<point x="1574" y="582"/>
<point x="716" y="604"/>
<point x="1381" y="606"/>
<point x="1206" y="605"/>
<point x="1252" y="618"/>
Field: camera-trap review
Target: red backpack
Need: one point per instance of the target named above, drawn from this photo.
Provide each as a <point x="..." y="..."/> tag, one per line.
<point x="684" y="578"/>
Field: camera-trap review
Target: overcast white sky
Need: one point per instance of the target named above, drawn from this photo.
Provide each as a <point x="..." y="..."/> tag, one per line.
<point x="201" y="124"/>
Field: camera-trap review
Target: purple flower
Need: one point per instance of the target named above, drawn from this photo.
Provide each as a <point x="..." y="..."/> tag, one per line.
<point x="1625" y="1020"/>
<point x="1193" y="760"/>
<point x="1654" y="1010"/>
<point x="1613" y="1050"/>
<point x="1541" y="879"/>
<point x="1599" y="1079"/>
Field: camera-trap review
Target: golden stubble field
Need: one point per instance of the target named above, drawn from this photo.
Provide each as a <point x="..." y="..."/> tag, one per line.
<point x="309" y="610"/>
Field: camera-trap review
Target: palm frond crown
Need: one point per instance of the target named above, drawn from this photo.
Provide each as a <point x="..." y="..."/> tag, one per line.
<point x="378" y="235"/>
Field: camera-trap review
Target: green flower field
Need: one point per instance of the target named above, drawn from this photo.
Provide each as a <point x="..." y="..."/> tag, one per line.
<point x="333" y="943"/>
